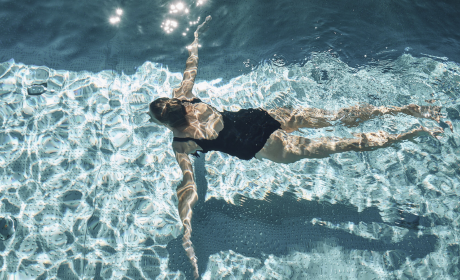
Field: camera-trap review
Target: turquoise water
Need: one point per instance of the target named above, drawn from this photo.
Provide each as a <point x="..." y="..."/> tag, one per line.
<point x="91" y="183"/>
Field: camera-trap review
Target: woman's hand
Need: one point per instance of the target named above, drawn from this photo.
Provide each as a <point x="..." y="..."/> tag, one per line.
<point x="202" y="27"/>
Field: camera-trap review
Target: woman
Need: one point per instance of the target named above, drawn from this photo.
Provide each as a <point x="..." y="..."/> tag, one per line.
<point x="258" y="133"/>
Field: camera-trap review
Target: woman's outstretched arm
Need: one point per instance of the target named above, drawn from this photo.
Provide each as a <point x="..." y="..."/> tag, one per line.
<point x="191" y="66"/>
<point x="188" y="196"/>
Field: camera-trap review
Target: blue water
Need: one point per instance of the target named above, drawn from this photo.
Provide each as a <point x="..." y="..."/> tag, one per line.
<point x="78" y="36"/>
<point x="89" y="183"/>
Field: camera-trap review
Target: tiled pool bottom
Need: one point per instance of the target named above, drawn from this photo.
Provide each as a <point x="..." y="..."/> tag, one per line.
<point x="92" y="184"/>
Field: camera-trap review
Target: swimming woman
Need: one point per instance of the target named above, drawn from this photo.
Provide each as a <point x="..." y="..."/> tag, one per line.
<point x="261" y="134"/>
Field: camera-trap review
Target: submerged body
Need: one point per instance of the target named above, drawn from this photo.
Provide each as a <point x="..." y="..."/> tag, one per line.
<point x="242" y="133"/>
<point x="261" y="134"/>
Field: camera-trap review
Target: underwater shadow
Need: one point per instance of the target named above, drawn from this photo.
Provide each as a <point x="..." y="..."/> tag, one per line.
<point x="281" y="224"/>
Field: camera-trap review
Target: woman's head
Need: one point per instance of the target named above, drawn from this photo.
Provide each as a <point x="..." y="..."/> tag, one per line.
<point x="169" y="111"/>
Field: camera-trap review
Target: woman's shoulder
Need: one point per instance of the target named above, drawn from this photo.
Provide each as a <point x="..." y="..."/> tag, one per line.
<point x="200" y="109"/>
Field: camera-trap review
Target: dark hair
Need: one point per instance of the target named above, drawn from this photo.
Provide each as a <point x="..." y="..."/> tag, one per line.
<point x="169" y="111"/>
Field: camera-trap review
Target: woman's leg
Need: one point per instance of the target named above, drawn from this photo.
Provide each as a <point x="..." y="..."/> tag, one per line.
<point x="284" y="148"/>
<point x="351" y="116"/>
<point x="191" y="66"/>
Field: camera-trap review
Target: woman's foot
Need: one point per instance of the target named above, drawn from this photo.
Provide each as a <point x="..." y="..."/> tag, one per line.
<point x="420" y="131"/>
<point x="434" y="132"/>
<point x="380" y="139"/>
<point x="427" y="112"/>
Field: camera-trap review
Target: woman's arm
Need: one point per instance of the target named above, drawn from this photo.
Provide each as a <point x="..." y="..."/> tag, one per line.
<point x="188" y="196"/>
<point x="191" y="66"/>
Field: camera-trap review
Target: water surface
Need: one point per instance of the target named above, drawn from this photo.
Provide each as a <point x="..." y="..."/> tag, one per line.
<point x="91" y="183"/>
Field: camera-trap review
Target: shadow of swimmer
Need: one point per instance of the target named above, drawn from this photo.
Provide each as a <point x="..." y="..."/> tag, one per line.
<point x="280" y="224"/>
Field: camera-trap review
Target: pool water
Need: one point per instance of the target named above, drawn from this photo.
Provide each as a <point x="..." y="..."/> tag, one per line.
<point x="89" y="183"/>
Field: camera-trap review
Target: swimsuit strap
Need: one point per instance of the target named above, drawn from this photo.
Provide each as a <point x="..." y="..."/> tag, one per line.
<point x="178" y="139"/>
<point x="193" y="101"/>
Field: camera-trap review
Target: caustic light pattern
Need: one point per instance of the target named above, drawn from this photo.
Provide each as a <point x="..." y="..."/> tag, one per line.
<point x="88" y="183"/>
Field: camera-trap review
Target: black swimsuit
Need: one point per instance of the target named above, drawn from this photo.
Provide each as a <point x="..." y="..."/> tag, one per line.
<point x="244" y="134"/>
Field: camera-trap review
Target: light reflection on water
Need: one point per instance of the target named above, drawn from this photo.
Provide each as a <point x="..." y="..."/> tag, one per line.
<point x="87" y="176"/>
<point x="169" y="25"/>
